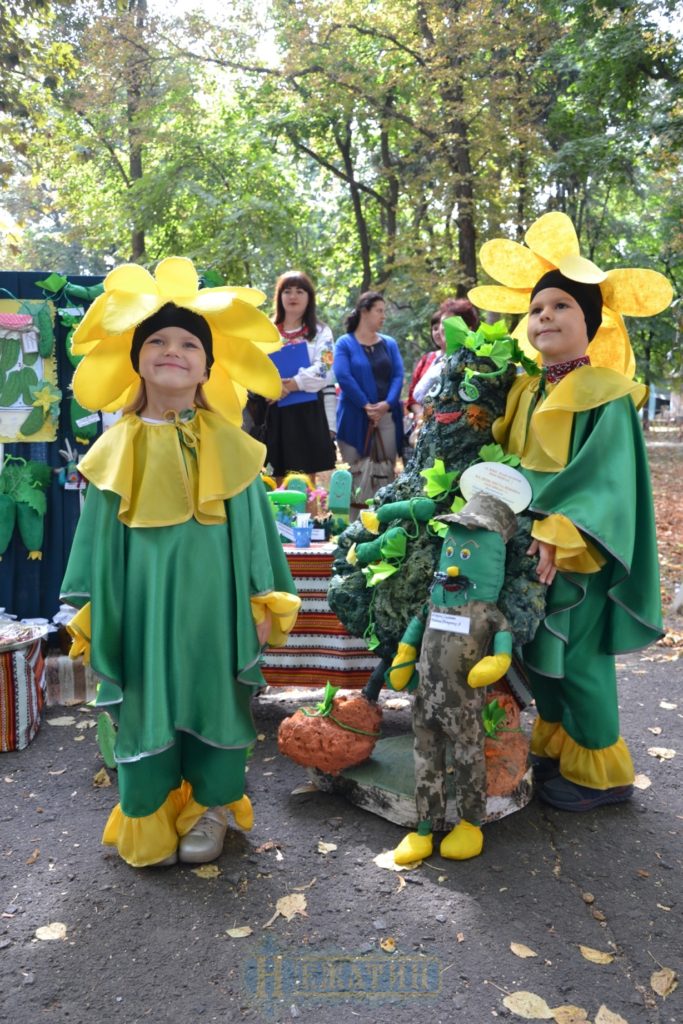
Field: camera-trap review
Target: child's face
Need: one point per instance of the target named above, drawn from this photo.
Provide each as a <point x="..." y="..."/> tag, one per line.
<point x="174" y="361"/>
<point x="557" y="326"/>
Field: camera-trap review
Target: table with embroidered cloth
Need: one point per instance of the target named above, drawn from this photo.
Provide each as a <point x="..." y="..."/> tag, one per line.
<point x="319" y="649"/>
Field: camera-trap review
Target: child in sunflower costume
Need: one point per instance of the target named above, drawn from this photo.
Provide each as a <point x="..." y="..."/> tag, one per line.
<point x="576" y="429"/>
<point x="176" y="565"/>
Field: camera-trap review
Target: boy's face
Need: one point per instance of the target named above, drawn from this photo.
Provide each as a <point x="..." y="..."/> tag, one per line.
<point x="557" y="326"/>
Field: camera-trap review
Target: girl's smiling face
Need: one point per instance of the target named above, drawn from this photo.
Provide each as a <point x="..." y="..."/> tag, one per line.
<point x="557" y="326"/>
<point x="173" y="360"/>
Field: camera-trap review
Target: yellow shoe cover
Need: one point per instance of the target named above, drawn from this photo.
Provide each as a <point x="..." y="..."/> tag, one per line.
<point x="413" y="848"/>
<point x="242" y="812"/>
<point x="462" y="842"/>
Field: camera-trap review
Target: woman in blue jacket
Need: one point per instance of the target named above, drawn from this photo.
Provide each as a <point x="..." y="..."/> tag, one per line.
<point x="369" y="371"/>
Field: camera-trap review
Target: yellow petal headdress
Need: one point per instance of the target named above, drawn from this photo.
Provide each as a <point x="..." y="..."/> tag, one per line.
<point x="242" y="337"/>
<point x="551" y="244"/>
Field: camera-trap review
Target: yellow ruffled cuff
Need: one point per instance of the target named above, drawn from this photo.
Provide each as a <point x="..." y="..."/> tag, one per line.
<point x="573" y="552"/>
<point x="599" y="769"/>
<point x="146" y="841"/>
<point x="283" y="608"/>
<point x="81" y="630"/>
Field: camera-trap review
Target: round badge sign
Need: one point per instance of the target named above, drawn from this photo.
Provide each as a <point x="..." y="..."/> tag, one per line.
<point x="497" y="479"/>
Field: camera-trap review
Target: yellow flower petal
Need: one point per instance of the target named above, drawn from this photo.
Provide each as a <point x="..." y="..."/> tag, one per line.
<point x="611" y="346"/>
<point x="220" y="298"/>
<point x="498" y="299"/>
<point x="105" y="374"/>
<point x="512" y="264"/>
<point x="130" y="277"/>
<point x="125" y="310"/>
<point x="241" y="320"/>
<point x="578" y="268"/>
<point x="520" y="333"/>
<point x="222" y="395"/>
<point x="552" y="237"/>
<point x="636" y="292"/>
<point x="177" y="279"/>
<point x="248" y="366"/>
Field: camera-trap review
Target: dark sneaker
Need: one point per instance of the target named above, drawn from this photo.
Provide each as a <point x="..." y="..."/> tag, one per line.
<point x="569" y="796"/>
<point x="544" y="769"/>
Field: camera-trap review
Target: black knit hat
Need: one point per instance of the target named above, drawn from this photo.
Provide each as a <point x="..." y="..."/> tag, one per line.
<point x="171" y="315"/>
<point x="588" y="296"/>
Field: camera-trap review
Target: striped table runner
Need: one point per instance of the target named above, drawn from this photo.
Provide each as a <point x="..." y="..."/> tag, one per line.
<point x="319" y="650"/>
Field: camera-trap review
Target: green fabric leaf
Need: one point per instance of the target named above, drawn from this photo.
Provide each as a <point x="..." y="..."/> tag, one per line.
<point x="53" y="283"/>
<point x="494" y="718"/>
<point x="377" y="572"/>
<point x="440" y="529"/>
<point x="458" y="504"/>
<point x="495" y="453"/>
<point x="393" y="543"/>
<point x="438" y="482"/>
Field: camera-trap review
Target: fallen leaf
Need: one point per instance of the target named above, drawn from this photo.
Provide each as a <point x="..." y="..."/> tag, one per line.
<point x="528" y="1005"/>
<point x="588" y="897"/>
<point x="59" y="772"/>
<point x="270" y="844"/>
<point x="64" y="720"/>
<point x="305" y="787"/>
<point x="460" y="936"/>
<point x="78" y="739"/>
<point x="661" y="753"/>
<point x="667" y="705"/>
<point x="664" y="982"/>
<point x="662" y="907"/>
<point x="605" y="1016"/>
<point x="288" y="907"/>
<point x="85" y="723"/>
<point x="598" y="915"/>
<point x="642" y="782"/>
<point x="569" y="1014"/>
<point x="326" y="847"/>
<point x="207" y="871"/>
<point x="521" y="950"/>
<point x="50" y="932"/>
<point x="261" y="737"/>
<point x="34" y="856"/>
<point x="596" y="956"/>
<point x="386" y="860"/>
<point x="401" y="883"/>
<point x="388" y="945"/>
<point x="654" y="729"/>
<point x="101" y="779"/>
<point x="239" y="933"/>
<point x="642" y="873"/>
<point x="301" y="888"/>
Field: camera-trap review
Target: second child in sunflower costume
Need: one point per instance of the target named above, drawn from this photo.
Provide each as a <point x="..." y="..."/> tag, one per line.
<point x="576" y="429"/>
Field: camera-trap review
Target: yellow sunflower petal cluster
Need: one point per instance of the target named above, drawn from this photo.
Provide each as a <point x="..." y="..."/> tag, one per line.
<point x="552" y="244"/>
<point x="242" y="337"/>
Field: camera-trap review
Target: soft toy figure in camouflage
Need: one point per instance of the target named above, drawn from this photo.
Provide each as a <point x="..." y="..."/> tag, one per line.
<point x="456" y="629"/>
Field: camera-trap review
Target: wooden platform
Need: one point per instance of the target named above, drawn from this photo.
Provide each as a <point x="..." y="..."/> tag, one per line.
<point x="385" y="785"/>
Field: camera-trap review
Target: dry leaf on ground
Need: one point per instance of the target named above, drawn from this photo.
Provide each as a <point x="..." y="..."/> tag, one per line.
<point x="664" y="982"/>
<point x="101" y="779"/>
<point x="388" y="944"/>
<point x="654" y="729"/>
<point x="596" y="956"/>
<point x="305" y="787"/>
<point x="50" y="932"/>
<point x="60" y="771"/>
<point x="667" y="705"/>
<point x="288" y="907"/>
<point x="239" y="933"/>
<point x="520" y="950"/>
<point x="326" y="847"/>
<point x="64" y="720"/>
<point x="605" y="1016"/>
<point x="569" y="1014"/>
<point x="86" y="723"/>
<point x="528" y="1005"/>
<point x="207" y="871"/>
<point x="34" y="856"/>
<point x="642" y="781"/>
<point x="386" y="860"/>
<point x="301" y="888"/>
<point x="661" y="753"/>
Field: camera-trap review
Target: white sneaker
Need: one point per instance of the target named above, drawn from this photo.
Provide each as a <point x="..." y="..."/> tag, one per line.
<point x="204" y="842"/>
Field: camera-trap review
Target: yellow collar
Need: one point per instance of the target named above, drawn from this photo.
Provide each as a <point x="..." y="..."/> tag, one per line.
<point x="541" y="435"/>
<point x="166" y="473"/>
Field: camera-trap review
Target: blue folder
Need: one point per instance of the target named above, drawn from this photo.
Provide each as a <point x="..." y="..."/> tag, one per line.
<point x="289" y="359"/>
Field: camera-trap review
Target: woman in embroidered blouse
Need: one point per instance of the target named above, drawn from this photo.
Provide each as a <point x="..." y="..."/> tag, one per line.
<point x="300" y="437"/>
<point x="176" y="567"/>
<point x="369" y="369"/>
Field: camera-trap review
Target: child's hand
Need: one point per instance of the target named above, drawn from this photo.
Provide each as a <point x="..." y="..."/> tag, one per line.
<point x="545" y="570"/>
<point x="263" y="628"/>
